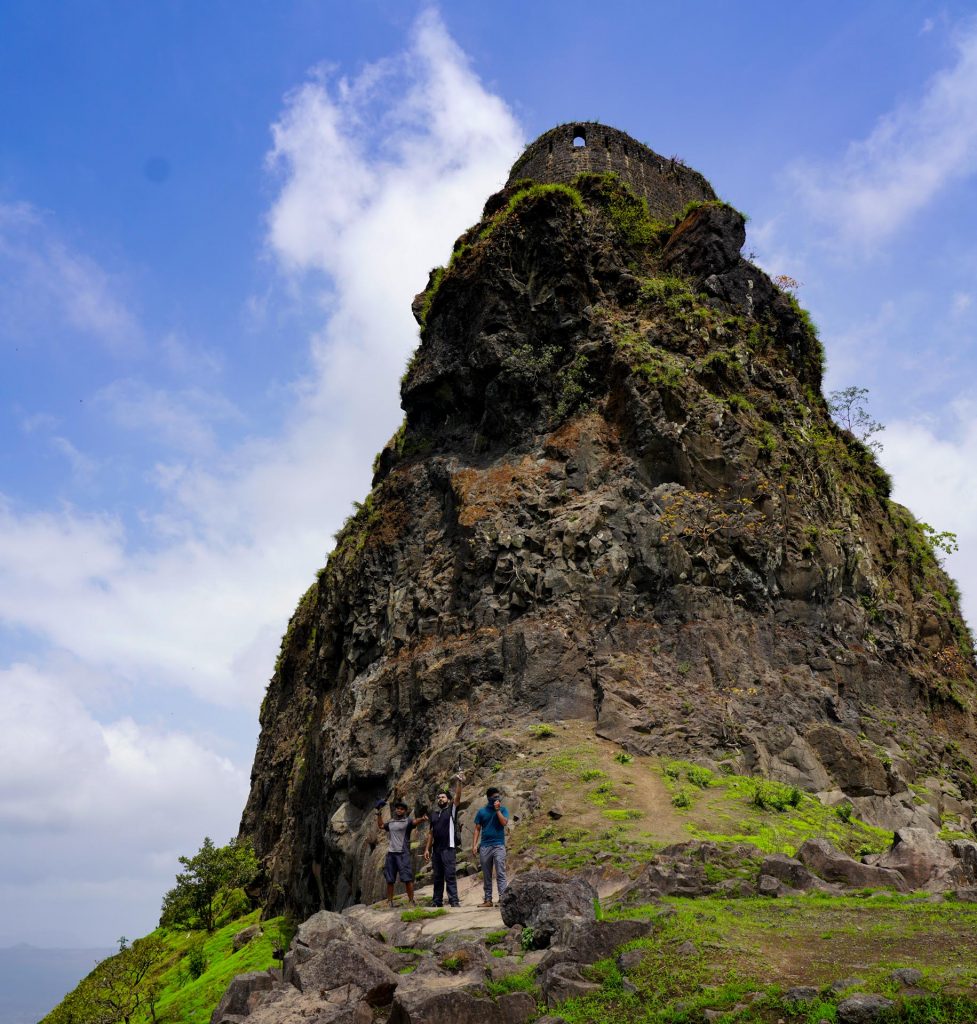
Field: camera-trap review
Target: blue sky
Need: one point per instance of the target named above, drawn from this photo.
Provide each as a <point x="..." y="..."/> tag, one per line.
<point x="212" y="220"/>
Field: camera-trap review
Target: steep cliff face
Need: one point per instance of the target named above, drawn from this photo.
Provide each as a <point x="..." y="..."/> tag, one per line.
<point x="617" y="496"/>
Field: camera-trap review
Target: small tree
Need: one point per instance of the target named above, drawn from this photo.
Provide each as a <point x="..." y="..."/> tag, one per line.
<point x="849" y="407"/>
<point x="203" y="889"/>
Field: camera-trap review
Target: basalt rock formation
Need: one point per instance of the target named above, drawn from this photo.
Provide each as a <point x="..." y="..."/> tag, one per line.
<point x="617" y="495"/>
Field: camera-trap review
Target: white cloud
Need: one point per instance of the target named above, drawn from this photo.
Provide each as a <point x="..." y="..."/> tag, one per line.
<point x="183" y="419"/>
<point x="932" y="465"/>
<point x="962" y="301"/>
<point x="376" y="176"/>
<point x="912" y="153"/>
<point x="47" y="285"/>
<point x="69" y="783"/>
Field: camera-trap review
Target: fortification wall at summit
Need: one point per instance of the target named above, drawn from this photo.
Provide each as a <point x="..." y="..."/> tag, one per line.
<point x="562" y="153"/>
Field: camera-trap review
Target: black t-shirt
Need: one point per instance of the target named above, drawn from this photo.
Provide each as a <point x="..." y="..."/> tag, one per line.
<point x="444" y="827"/>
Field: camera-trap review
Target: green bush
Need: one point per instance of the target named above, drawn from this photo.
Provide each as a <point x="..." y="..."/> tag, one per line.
<point x="682" y="799"/>
<point x="773" y="796"/>
<point x="700" y="777"/>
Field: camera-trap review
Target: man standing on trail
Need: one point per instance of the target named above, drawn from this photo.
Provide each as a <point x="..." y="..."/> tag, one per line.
<point x="397" y="862"/>
<point x="444" y="836"/>
<point x="490" y="823"/>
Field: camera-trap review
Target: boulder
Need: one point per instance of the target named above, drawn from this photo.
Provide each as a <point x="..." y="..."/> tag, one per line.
<point x="800" y="994"/>
<point x="564" y="981"/>
<point x="930" y="863"/>
<point x="420" y="1006"/>
<point x="586" y="942"/>
<point x="289" y="1006"/>
<point x="862" y="1008"/>
<point x="908" y="977"/>
<point x="791" y="872"/>
<point x="541" y="899"/>
<point x="516" y="1007"/>
<point x="243" y="937"/>
<point x="341" y="963"/>
<point x="767" y="885"/>
<point x="844" y="984"/>
<point x="234" y="1002"/>
<point x="834" y="866"/>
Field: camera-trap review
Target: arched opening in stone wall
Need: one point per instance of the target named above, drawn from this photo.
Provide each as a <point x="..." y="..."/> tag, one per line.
<point x="579" y="137"/>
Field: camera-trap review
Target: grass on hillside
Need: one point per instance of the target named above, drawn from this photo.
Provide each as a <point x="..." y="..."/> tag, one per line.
<point x="738" y="957"/>
<point x="187" y="1000"/>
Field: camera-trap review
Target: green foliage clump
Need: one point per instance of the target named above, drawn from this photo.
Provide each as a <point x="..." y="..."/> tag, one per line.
<point x="542" y="730"/>
<point x="520" y="981"/>
<point x="211" y="879"/>
<point x="422" y="914"/>
<point x="682" y="799"/>
<point x="434" y="283"/>
<point x="655" y="365"/>
<point x="623" y="814"/>
<point x="623" y="757"/>
<point x="773" y="796"/>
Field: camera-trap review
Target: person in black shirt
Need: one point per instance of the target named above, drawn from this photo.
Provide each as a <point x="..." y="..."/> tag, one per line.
<point x="443" y="838"/>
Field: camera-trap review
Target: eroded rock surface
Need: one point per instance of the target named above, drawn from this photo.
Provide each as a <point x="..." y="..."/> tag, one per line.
<point x="617" y="496"/>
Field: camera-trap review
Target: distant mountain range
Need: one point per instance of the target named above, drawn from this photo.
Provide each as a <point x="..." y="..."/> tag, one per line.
<point x="33" y="980"/>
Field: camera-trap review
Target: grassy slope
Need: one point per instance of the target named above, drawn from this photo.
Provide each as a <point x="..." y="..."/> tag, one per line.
<point x="721" y="954"/>
<point x="192" y="1001"/>
<point x="622" y="809"/>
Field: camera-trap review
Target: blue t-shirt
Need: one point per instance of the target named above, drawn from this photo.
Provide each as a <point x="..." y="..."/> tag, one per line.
<point x="493" y="834"/>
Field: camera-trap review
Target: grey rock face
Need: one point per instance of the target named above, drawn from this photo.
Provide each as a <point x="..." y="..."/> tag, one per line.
<point x="617" y="491"/>
<point x="834" y="866"/>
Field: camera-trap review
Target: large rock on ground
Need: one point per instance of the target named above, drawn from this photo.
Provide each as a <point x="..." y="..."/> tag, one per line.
<point x="834" y="866"/>
<point x="586" y="942"/>
<point x="564" y="981"/>
<point x="419" y="1006"/>
<point x="541" y="899"/>
<point x="340" y="963"/>
<point x="289" y="1006"/>
<point x="235" y="999"/>
<point x="791" y="872"/>
<point x="927" y="862"/>
<point x="862" y="1009"/>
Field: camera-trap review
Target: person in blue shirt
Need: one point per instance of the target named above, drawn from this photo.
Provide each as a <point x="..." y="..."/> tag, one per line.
<point x="488" y="843"/>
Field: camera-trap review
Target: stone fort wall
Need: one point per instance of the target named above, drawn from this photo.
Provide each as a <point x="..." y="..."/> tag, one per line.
<point x="562" y="153"/>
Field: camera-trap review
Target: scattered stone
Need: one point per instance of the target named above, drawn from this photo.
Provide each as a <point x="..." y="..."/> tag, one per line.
<point x="908" y="977"/>
<point x="631" y="959"/>
<point x="837" y="987"/>
<point x="800" y="994"/>
<point x="862" y="1008"/>
<point x="243" y="937"/>
<point x="562" y="982"/>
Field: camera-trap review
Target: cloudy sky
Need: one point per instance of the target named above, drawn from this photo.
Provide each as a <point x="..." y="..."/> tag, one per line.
<point x="213" y="218"/>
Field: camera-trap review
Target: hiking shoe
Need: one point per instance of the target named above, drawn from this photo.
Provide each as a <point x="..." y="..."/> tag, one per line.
<point x="455" y="905"/>
<point x="486" y="904"/>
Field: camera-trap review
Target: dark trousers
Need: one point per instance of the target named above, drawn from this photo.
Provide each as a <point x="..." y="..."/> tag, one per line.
<point x="443" y="866"/>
